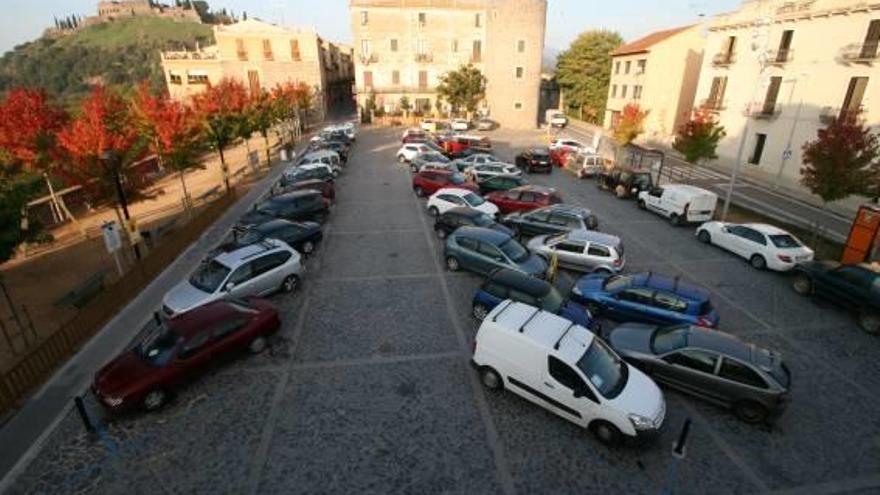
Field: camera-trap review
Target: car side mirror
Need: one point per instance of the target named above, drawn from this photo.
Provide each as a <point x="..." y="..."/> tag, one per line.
<point x="229" y="286"/>
<point x="579" y="392"/>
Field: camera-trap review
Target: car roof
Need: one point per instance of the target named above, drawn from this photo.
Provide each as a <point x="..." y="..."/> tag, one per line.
<point x="593" y="236"/>
<point x="686" y="188"/>
<point x="766" y="228"/>
<point x="295" y="195"/>
<point x="197" y="319"/>
<point x="464" y="211"/>
<point x="723" y="343"/>
<point x="320" y="154"/>
<point x="539" y="151"/>
<point x="521" y="281"/>
<point x="543" y="328"/>
<point x="535" y="188"/>
<point x="672" y="284"/>
<point x="454" y="190"/>
<point x="482" y="234"/>
<point x="272" y="225"/>
<point x="235" y="257"/>
<point x="573" y="209"/>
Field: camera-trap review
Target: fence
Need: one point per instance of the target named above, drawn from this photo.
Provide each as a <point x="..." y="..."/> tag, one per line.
<point x="30" y="370"/>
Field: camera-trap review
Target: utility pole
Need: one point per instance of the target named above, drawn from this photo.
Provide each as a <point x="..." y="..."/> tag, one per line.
<point x="786" y="155"/>
<point x="120" y="194"/>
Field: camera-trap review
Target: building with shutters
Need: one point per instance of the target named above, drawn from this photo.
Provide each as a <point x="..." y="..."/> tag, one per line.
<point x="777" y="71"/>
<point x="403" y="47"/>
<point x="263" y="55"/>
<point x="659" y="72"/>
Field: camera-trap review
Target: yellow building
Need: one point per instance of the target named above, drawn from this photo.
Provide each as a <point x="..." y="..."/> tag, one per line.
<point x="776" y="71"/>
<point x="263" y="55"/>
<point x="403" y="47"/>
<point x="659" y="72"/>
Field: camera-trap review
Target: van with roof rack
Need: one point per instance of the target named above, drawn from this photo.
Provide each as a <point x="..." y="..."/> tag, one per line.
<point x="563" y="367"/>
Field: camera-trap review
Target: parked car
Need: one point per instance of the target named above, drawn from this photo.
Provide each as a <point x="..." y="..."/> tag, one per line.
<point x="459" y="143"/>
<point x="297" y="175"/>
<point x="313" y="171"/>
<point x="680" y="203"/>
<point x="571" y="144"/>
<point x="564" y="368"/>
<point x="423" y="160"/>
<point x="460" y="124"/>
<point x="500" y="183"/>
<point x="534" y="160"/>
<point x="473" y="158"/>
<point x="625" y="182"/>
<point x="409" y="151"/>
<point x="342" y="148"/>
<point x="325" y="156"/>
<point x="294" y="206"/>
<point x="765" y="246"/>
<point x="582" y="250"/>
<point x="253" y="270"/>
<point x="428" y="125"/>
<point x="413" y="133"/>
<point x="646" y="297"/>
<point x="486" y="125"/>
<point x="462" y="216"/>
<point x="854" y="287"/>
<point x="506" y="284"/>
<point x="483" y="171"/>
<point x="325" y="187"/>
<point x="587" y="165"/>
<point x="428" y="182"/>
<point x="450" y="197"/>
<point x="483" y="250"/>
<point x="708" y="364"/>
<point x="468" y="152"/>
<point x="168" y="355"/>
<point x="302" y="236"/>
<point x="553" y="219"/>
<point x="556" y="118"/>
<point x="524" y="198"/>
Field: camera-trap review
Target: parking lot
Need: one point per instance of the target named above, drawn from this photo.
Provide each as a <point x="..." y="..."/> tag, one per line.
<point x="368" y="388"/>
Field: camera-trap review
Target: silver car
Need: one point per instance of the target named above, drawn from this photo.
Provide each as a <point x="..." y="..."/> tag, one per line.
<point x="253" y="270"/>
<point x="582" y="250"/>
<point x="483" y="171"/>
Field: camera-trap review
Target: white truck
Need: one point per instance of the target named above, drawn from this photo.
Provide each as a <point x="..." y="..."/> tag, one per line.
<point x="555" y="118"/>
<point x="680" y="203"/>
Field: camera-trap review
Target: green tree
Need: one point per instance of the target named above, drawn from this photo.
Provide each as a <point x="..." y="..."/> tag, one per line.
<point x="462" y="88"/>
<point x="698" y="138"/>
<point x="584" y="71"/>
<point x="16" y="189"/>
<point x="405" y="105"/>
<point x="265" y="113"/>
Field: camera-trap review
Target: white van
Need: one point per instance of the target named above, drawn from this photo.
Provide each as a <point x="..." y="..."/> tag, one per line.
<point x="680" y="203"/>
<point x="326" y="157"/>
<point x="564" y="368"/>
<point x="556" y="118"/>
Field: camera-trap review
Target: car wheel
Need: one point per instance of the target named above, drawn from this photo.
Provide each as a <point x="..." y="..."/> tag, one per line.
<point x="642" y="205"/>
<point x="620" y="192"/>
<point x="335" y="174"/>
<point x="401" y="158"/>
<point x="419" y="192"/>
<point x="869" y="321"/>
<point x="758" y="262"/>
<point x="257" y="345"/>
<point x="593" y="223"/>
<point x="453" y="264"/>
<point x="480" y="311"/>
<point x="154" y="400"/>
<point x="675" y="220"/>
<point x="491" y="379"/>
<point x="606" y="433"/>
<point x="441" y="234"/>
<point x="704" y="237"/>
<point x="803" y="285"/>
<point x="750" y="412"/>
<point x="290" y="284"/>
<point x="434" y="211"/>
<point x="308" y="247"/>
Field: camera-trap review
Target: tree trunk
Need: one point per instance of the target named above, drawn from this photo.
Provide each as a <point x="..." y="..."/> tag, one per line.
<point x="268" y="151"/>
<point x="186" y="201"/>
<point x="224" y="169"/>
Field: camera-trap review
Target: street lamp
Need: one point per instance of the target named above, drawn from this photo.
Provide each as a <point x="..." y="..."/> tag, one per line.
<point x="786" y="155"/>
<point x="112" y="159"/>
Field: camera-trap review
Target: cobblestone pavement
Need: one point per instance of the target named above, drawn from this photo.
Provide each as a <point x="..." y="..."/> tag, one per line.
<point x="368" y="390"/>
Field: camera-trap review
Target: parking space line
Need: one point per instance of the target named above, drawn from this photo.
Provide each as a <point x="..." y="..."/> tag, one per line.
<point x="833" y="487"/>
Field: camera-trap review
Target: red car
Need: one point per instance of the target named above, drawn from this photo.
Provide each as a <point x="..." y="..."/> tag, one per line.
<point x="457" y="144"/>
<point x="428" y="182"/>
<point x="146" y="374"/>
<point x="560" y="156"/>
<point x="325" y="188"/>
<point x="524" y="198"/>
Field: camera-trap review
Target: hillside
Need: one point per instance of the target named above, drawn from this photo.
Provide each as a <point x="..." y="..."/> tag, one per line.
<point x="123" y="52"/>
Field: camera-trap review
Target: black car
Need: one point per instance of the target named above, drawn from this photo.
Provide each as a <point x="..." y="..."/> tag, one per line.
<point x="324" y="186"/>
<point x="625" y="182"/>
<point x="302" y="236"/>
<point x="463" y="217"/>
<point x="535" y="160"/>
<point x="339" y="147"/>
<point x="709" y="364"/>
<point x="305" y="174"/>
<point x="500" y="183"/>
<point x="854" y="287"/>
<point x="554" y="219"/>
<point x="294" y="206"/>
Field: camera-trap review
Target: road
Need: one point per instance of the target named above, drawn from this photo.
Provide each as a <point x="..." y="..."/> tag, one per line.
<point x="368" y="389"/>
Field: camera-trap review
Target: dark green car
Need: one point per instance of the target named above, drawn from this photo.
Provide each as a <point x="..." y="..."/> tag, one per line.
<point x="854" y="287"/>
<point x="500" y="183"/>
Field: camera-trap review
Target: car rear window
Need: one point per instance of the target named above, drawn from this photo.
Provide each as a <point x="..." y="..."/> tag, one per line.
<point x="771" y="362"/>
<point x="668" y="339"/>
<point x="617" y="282"/>
<point x="784" y="241"/>
<point x="706" y="307"/>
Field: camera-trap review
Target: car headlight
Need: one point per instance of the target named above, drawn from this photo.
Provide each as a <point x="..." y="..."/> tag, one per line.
<point x="113" y="401"/>
<point x="641" y="422"/>
<point x="575" y="290"/>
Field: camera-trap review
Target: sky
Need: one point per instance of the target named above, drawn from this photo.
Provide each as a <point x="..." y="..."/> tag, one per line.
<point x="565" y="18"/>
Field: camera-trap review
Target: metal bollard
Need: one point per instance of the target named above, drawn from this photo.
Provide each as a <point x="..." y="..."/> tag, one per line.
<point x="83" y="414"/>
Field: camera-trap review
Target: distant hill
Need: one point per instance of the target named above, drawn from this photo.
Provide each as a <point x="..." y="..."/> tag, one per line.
<point x="123" y="52"/>
<point x="548" y="61"/>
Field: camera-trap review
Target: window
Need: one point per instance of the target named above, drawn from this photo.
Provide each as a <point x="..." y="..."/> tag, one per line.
<point x="669" y="302"/>
<point x="754" y="236"/>
<point x="393" y="45"/>
<point x="519" y="72"/>
<point x="769" y="107"/>
<point x="517" y="106"/>
<point x="477" y="53"/>
<point x="564" y="374"/>
<point x="539" y="216"/>
<point x="617" y="67"/>
<point x="570" y="247"/>
<point x="740" y="373"/>
<point x="523" y="298"/>
<point x="784" y="52"/>
<point x="294" y="51"/>
<point x="366" y="48"/>
<point x="423" y="79"/>
<point x="637" y="92"/>
<point x="640" y="66"/>
<point x="467" y="243"/>
<point x="395" y="77"/>
<point x="869" y="48"/>
<point x="490" y="251"/>
<point x="637" y="296"/>
<point x="368" y="79"/>
<point x="454" y="46"/>
<point x="365" y="18"/>
<point x="716" y="93"/>
<point x="627" y="67"/>
<point x="694" y="359"/>
<point x="254" y="82"/>
<point x="240" y="49"/>
<point x="267" y="50"/>
<point x="269" y="262"/>
<point x="227" y="327"/>
<point x="521" y="46"/>
<point x="196" y="78"/>
<point x="599" y="250"/>
<point x="623" y="91"/>
<point x="760" y="141"/>
<point x="852" y="103"/>
<point x="423" y="18"/>
<point x="478" y="20"/>
<point x="194" y="345"/>
<point x="496" y="290"/>
<point x="174" y="78"/>
<point x="729" y="49"/>
<point x="614" y="91"/>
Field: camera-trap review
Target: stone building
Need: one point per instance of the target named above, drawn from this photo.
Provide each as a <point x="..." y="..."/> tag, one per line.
<point x="109" y="10"/>
<point x="263" y="55"/>
<point x="660" y="73"/>
<point x="403" y="47"/>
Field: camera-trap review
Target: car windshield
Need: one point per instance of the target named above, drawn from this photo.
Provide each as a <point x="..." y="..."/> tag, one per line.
<point x="667" y="339"/>
<point x="483" y="220"/>
<point x="785" y="241"/>
<point x="605" y="370"/>
<point x="158" y="346"/>
<point x="514" y="250"/>
<point x="473" y="200"/>
<point x="553" y="301"/>
<point x="249" y="237"/>
<point x="209" y="276"/>
<point x="457" y="179"/>
<point x="616" y="282"/>
<point x="271" y="208"/>
<point x="553" y="240"/>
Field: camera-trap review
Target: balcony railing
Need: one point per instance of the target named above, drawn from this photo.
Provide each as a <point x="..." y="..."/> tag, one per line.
<point x="268" y="56"/>
<point x="476" y="59"/>
<point x="242" y="55"/>
<point x="860" y="53"/>
<point x="780" y="57"/>
<point x="763" y="111"/>
<point x="723" y="59"/>
<point x="189" y="56"/>
<point x="397" y="89"/>
<point x="424" y="58"/>
<point x="368" y="59"/>
<point x="830" y="114"/>
<point x="714" y="105"/>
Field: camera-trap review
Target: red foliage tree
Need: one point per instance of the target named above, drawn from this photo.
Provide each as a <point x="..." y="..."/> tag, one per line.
<point x="294" y="102"/>
<point x="630" y="125"/>
<point x="222" y="108"/>
<point x="29" y="122"/>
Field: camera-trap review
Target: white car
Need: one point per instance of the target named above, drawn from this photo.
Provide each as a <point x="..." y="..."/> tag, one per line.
<point x="409" y="151"/>
<point x="330" y="169"/>
<point x="765" y="246"/>
<point x="483" y="171"/>
<point x="564" y="368"/>
<point x="460" y="124"/>
<point x="465" y="163"/>
<point x="571" y="144"/>
<point x="451" y="197"/>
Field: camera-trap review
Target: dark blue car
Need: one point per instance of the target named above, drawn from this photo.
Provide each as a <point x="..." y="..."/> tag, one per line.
<point x="510" y="284"/>
<point x="647" y="298"/>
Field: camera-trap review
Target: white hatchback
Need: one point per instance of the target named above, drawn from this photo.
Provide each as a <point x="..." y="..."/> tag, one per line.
<point x="765" y="246"/>
<point x="460" y="124"/>
<point x="451" y="197"/>
<point x="411" y="150"/>
<point x="483" y="171"/>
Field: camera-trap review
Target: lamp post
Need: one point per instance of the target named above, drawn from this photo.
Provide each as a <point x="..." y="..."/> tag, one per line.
<point x="111" y="158"/>
<point x="786" y="155"/>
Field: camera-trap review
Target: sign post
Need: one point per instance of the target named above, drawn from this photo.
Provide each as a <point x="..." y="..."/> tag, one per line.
<point x="113" y="242"/>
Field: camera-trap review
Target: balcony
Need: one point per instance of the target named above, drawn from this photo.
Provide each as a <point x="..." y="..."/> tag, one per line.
<point x="268" y="56"/>
<point x="476" y="59"/>
<point x="424" y="58"/>
<point x="829" y="114"/>
<point x="724" y="59"/>
<point x="763" y="111"/>
<point x="368" y="59"/>
<point x="860" y="53"/>
<point x="714" y="105"/>
<point x="242" y="55"/>
<point x="189" y="55"/>
<point x="780" y="57"/>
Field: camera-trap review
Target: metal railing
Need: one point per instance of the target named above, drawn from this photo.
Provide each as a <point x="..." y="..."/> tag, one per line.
<point x="714" y="104"/>
<point x="189" y="56"/>
<point x="368" y="59"/>
<point x="763" y="111"/>
<point x="860" y="52"/>
<point x="723" y="59"/>
<point x="423" y="58"/>
<point x="780" y="57"/>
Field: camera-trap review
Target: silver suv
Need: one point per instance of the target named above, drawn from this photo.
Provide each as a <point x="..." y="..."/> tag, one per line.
<point x="582" y="250"/>
<point x="253" y="270"/>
